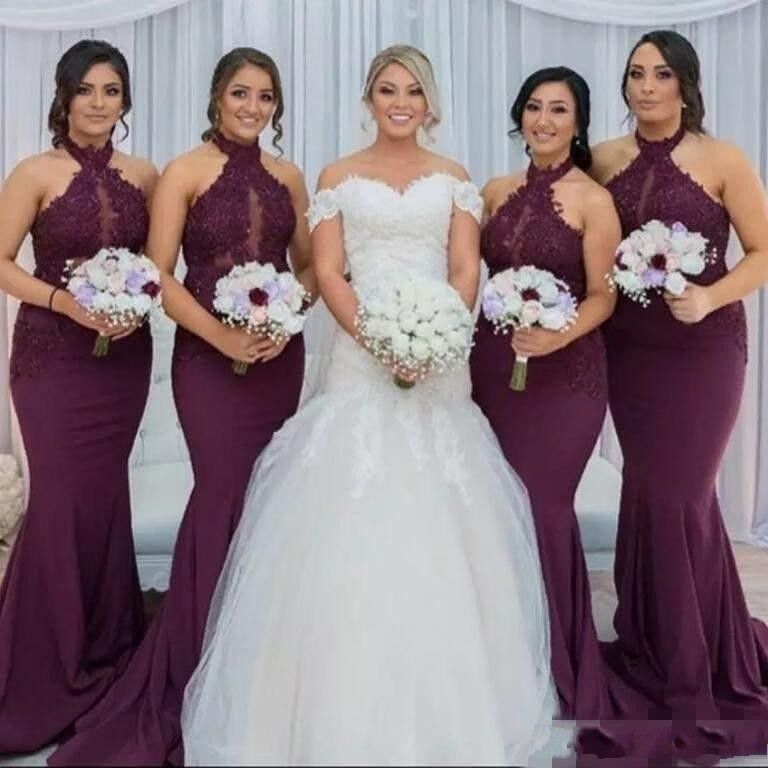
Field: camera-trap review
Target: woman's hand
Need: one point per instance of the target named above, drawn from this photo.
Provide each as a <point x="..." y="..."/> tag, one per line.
<point x="64" y="303"/>
<point x="537" y="342"/>
<point x="237" y="344"/>
<point x="692" y="306"/>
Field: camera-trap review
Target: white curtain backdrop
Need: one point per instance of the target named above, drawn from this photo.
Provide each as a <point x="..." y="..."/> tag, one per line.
<point x="77" y="14"/>
<point x="481" y="49"/>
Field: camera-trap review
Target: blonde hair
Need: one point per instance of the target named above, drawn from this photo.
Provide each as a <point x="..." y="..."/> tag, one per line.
<point x="419" y="66"/>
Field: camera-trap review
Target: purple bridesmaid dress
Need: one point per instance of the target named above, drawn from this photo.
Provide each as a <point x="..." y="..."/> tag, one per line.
<point x="246" y="215"/>
<point x="686" y="641"/>
<point x="548" y="431"/>
<point x="70" y="606"/>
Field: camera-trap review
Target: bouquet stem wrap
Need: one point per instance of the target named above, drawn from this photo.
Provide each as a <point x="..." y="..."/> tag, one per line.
<point x="519" y="374"/>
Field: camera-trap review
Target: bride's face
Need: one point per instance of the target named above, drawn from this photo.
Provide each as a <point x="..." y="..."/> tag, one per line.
<point x="398" y="103"/>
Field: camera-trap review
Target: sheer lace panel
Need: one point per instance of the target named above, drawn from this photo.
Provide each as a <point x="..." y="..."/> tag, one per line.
<point x="245" y="215"/>
<point x="528" y="228"/>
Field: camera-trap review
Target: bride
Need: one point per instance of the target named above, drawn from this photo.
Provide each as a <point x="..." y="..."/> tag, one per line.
<point x="382" y="602"/>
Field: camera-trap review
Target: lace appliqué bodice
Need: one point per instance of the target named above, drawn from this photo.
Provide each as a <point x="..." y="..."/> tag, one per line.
<point x="653" y="186"/>
<point x="388" y="230"/>
<point x="99" y="209"/>
<point x="528" y="229"/>
<point x="245" y="215"/>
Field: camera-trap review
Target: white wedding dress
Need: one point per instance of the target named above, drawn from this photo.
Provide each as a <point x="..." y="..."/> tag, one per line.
<point x="382" y="602"/>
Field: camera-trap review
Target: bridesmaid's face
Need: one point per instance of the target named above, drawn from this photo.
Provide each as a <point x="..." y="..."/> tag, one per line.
<point x="549" y="120"/>
<point x="653" y="89"/>
<point x="97" y="104"/>
<point x="246" y="104"/>
<point x="398" y="103"/>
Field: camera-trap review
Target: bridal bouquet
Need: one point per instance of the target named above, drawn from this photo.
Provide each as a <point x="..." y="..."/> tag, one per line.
<point x="117" y="284"/>
<point x="657" y="257"/>
<point x="525" y="297"/>
<point x="416" y="325"/>
<point x="259" y="299"/>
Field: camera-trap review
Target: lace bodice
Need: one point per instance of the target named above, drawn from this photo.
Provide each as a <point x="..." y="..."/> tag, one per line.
<point x="245" y="215"/>
<point x="386" y="230"/>
<point x="653" y="186"/>
<point x="99" y="209"/>
<point x="528" y="228"/>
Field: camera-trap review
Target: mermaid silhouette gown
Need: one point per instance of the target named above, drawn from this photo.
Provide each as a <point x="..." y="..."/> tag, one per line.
<point x="686" y="641"/>
<point x="548" y="431"/>
<point x="227" y="420"/>
<point x="70" y="605"/>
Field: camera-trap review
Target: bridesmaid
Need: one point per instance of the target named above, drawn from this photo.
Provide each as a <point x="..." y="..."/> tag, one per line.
<point x="226" y="202"/>
<point x="70" y="605"/>
<point x="553" y="216"/>
<point x="676" y="374"/>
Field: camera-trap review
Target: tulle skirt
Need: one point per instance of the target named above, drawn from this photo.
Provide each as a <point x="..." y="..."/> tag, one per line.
<point x="382" y="602"/>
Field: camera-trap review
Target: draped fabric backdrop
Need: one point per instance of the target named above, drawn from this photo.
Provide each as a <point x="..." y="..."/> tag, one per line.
<point x="481" y="49"/>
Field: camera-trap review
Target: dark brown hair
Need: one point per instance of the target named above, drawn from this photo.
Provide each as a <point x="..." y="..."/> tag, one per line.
<point x="682" y="59"/>
<point x="581" y="154"/>
<point x="225" y="70"/>
<point x="70" y="71"/>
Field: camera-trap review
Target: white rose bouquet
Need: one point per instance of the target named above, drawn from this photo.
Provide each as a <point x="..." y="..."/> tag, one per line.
<point x="117" y="284"/>
<point x="525" y="297"/>
<point x="657" y="258"/>
<point x="416" y="325"/>
<point x="259" y="299"/>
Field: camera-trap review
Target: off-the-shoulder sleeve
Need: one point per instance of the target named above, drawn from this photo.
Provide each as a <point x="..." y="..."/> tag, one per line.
<point x="324" y="206"/>
<point x="467" y="198"/>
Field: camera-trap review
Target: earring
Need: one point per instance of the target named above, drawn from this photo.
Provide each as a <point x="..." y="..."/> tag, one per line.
<point x="685" y="106"/>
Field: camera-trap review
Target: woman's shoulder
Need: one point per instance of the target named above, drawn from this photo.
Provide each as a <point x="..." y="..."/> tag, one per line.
<point x="612" y="156"/>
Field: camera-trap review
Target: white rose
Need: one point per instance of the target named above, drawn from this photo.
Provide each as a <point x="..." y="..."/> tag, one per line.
<point x="102" y="302"/>
<point x="647" y="247"/>
<point x="116" y="283"/>
<point x="407" y="295"/>
<point x="224" y="304"/>
<point x="692" y="264"/>
<point x="530" y="312"/>
<point x="548" y="291"/>
<point x="123" y="303"/>
<point x="456" y="339"/>
<point x="420" y="349"/>
<point x="401" y="344"/>
<point x="629" y="281"/>
<point x="408" y="320"/>
<point x="375" y="308"/>
<point x="513" y="303"/>
<point x="424" y="331"/>
<point x="526" y="278"/>
<point x="97" y="276"/>
<point x="278" y="312"/>
<point x="375" y="328"/>
<point x="294" y="324"/>
<point x="629" y="259"/>
<point x="444" y="321"/>
<point x="675" y="283"/>
<point x="439" y="346"/>
<point x="142" y="304"/>
<point x="552" y="319"/>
